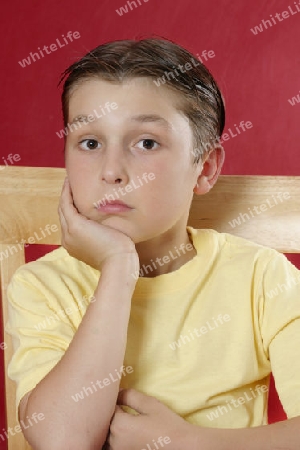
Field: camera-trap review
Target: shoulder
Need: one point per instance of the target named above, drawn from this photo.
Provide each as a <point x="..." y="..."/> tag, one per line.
<point x="230" y="246"/>
<point x="56" y="266"/>
<point x="231" y="252"/>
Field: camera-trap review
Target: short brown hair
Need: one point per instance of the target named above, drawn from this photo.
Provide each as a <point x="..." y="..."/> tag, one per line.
<point x="117" y="61"/>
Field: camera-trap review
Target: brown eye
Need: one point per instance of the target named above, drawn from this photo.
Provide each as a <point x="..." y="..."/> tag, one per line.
<point x="89" y="144"/>
<point x="148" y="144"/>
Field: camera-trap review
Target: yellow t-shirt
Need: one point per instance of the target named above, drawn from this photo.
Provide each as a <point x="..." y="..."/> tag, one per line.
<point x="202" y="339"/>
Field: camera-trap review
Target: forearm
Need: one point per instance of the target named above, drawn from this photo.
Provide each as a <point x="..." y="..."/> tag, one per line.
<point x="96" y="351"/>
<point x="278" y="436"/>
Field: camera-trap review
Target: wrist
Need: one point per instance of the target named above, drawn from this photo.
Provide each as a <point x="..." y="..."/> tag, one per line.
<point x="204" y="438"/>
<point x="123" y="265"/>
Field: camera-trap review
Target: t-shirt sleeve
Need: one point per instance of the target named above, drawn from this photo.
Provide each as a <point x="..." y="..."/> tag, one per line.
<point x="40" y="336"/>
<point x="280" y="329"/>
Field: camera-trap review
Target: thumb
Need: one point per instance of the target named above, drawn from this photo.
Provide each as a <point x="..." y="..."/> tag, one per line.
<point x="138" y="401"/>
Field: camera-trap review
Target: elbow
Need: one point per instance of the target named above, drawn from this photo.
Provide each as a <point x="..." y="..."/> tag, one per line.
<point x="54" y="442"/>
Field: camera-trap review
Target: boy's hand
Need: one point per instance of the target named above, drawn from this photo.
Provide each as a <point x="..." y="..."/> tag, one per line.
<point x="156" y="423"/>
<point x="87" y="240"/>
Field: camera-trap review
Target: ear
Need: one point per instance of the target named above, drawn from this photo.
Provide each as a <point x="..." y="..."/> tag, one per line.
<point x="211" y="168"/>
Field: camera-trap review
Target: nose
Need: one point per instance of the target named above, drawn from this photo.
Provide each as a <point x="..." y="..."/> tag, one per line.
<point x="113" y="167"/>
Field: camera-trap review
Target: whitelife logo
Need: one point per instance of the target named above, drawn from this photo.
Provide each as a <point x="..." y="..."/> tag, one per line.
<point x="48" y="49"/>
<point x="226" y="136"/>
<point x="86" y="391"/>
<point x="11" y="159"/>
<point x="124" y="9"/>
<point x="221" y="410"/>
<point x="279" y="17"/>
<point x="294" y="100"/>
<point x="163" y="260"/>
<point x="30" y="421"/>
<point x="128" y="188"/>
<point x="81" y="120"/>
<point x="183" y="69"/>
<point x="291" y="281"/>
<point x="159" y="443"/>
<point x="209" y="326"/>
<point x="44" y="232"/>
<point x="256" y="210"/>
<point x="63" y="313"/>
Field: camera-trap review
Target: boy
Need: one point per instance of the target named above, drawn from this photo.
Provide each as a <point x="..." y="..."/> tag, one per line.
<point x="136" y="151"/>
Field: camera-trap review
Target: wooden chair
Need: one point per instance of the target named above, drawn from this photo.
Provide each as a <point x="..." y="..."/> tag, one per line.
<point x="29" y="198"/>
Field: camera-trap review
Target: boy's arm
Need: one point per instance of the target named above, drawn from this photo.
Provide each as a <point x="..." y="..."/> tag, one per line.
<point x="97" y="349"/>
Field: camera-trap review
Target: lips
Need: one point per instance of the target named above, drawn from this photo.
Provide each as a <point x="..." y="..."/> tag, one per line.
<point x="113" y="206"/>
<point x="115" y="202"/>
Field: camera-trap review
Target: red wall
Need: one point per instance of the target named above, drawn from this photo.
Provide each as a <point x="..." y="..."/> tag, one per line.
<point x="257" y="73"/>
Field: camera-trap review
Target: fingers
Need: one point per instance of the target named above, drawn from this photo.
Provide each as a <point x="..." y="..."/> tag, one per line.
<point x="62" y="219"/>
<point x="137" y="400"/>
<point x="66" y="202"/>
<point x="68" y="213"/>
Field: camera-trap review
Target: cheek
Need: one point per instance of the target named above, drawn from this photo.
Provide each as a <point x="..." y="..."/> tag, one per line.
<point x="172" y="184"/>
<point x="76" y="173"/>
<point x="164" y="197"/>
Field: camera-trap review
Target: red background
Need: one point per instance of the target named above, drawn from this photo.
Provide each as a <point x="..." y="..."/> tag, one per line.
<point x="256" y="73"/>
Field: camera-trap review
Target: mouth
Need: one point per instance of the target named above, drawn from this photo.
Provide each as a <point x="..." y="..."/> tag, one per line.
<point x="114" y="206"/>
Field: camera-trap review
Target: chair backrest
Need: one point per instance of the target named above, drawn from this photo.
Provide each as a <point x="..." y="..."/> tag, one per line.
<point x="264" y="209"/>
<point x="28" y="203"/>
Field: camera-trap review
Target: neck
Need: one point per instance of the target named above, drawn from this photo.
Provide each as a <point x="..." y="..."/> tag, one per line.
<point x="164" y="256"/>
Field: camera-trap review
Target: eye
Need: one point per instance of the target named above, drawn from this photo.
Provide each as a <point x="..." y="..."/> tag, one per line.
<point x="89" y="144"/>
<point x="148" y="144"/>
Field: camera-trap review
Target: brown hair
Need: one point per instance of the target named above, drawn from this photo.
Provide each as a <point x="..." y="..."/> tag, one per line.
<point x="158" y="59"/>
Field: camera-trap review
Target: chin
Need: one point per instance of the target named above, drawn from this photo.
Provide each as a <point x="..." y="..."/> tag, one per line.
<point x="119" y="224"/>
<point x="128" y="228"/>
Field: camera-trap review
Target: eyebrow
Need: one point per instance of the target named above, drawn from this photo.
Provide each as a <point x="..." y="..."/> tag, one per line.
<point x="143" y="118"/>
<point x="79" y="118"/>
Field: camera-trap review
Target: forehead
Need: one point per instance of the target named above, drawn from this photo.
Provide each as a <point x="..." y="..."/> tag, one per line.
<point x="140" y="93"/>
<point x="139" y="102"/>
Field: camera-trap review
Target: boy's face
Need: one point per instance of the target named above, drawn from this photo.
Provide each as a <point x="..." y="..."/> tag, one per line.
<point x="143" y="135"/>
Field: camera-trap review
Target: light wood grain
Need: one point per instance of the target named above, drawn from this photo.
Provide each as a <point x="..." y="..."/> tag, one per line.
<point x="277" y="225"/>
<point x="28" y="202"/>
<point x="11" y="264"/>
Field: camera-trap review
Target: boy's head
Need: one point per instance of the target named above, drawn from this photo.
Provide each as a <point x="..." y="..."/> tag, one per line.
<point x="132" y="137"/>
<point x="168" y="65"/>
